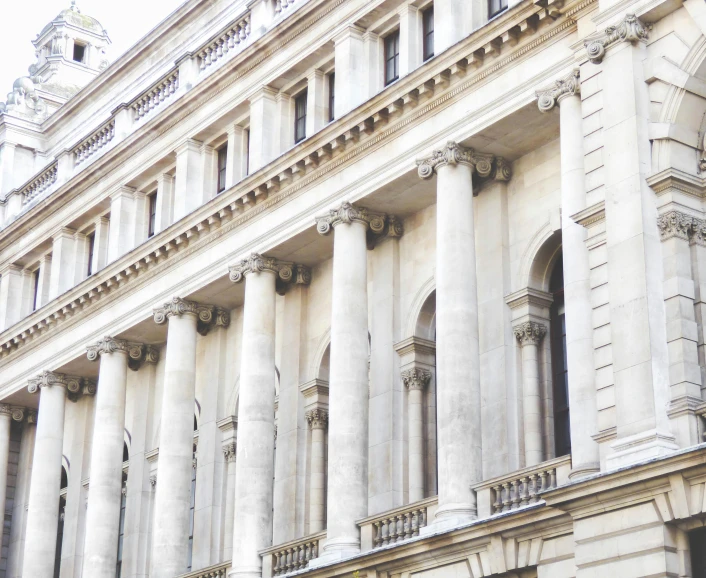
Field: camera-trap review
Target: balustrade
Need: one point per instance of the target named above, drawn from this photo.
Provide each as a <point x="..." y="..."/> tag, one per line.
<point x="156" y="95"/>
<point x="282" y="5"/>
<point x="396" y="525"/>
<point x="40" y="183"/>
<point x="218" y="571"/>
<point x="291" y="556"/>
<point x="224" y="42"/>
<point x="95" y="142"/>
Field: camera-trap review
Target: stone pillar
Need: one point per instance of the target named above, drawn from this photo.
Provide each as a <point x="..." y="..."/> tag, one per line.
<point x="170" y="529"/>
<point x="63" y="258"/>
<point x="263" y="128"/>
<point x="318" y="422"/>
<point x="316" y="102"/>
<point x="640" y="353"/>
<point x="188" y="181"/>
<point x="80" y="258"/>
<point x="122" y="223"/>
<point x="452" y="22"/>
<point x="229" y="455"/>
<point x="285" y="123"/>
<point x="237" y="155"/>
<point x="348" y="387"/>
<point x="254" y="469"/>
<point x="43" y="280"/>
<point x="209" y="174"/>
<point x="100" y="247"/>
<point x="11" y="283"/>
<point x="103" y="511"/>
<point x="577" y="285"/>
<point x="7" y="414"/>
<point x="457" y="346"/>
<point x="410" y="39"/>
<point x="165" y="202"/>
<point x="416" y="381"/>
<point x="43" y="514"/>
<point x="350" y="70"/>
<point x="529" y="335"/>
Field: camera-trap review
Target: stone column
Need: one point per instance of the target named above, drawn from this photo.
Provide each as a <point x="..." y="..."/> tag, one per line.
<point x="11" y="297"/>
<point x="348" y="386"/>
<point x="237" y="155"/>
<point x="63" y="258"/>
<point x="121" y="233"/>
<point x="263" y="128"/>
<point x="350" y="70"/>
<point x="577" y="285"/>
<point x="416" y="381"/>
<point x="229" y="455"/>
<point x="457" y="346"/>
<point x="170" y="529"/>
<point x="188" y="182"/>
<point x="529" y="335"/>
<point x="43" y="514"/>
<point x="254" y="469"/>
<point x="318" y="422"/>
<point x="103" y="512"/>
<point x="7" y="414"/>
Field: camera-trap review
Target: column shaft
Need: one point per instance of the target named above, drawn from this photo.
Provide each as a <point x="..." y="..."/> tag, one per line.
<point x="254" y="469"/>
<point x="317" y="491"/>
<point x="348" y="390"/>
<point x="5" y="421"/>
<point x="170" y="530"/>
<point x="229" y="516"/>
<point x="415" y="403"/>
<point x="457" y="347"/>
<point x="43" y="514"/>
<point x="103" y="515"/>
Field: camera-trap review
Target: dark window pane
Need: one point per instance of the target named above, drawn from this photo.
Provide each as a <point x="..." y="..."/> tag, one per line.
<point x="428" y="33"/>
<point x="91" y="247"/>
<point x="222" y="163"/>
<point x="36" y="290"/>
<point x="331" y="96"/>
<point x="300" y="117"/>
<point x="697" y="545"/>
<point x="560" y="376"/>
<point x="79" y="53"/>
<point x="496" y="7"/>
<point x="392" y="57"/>
<point x="152" y="220"/>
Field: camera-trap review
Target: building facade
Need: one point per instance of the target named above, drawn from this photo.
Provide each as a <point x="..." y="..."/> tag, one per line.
<point x="362" y="288"/>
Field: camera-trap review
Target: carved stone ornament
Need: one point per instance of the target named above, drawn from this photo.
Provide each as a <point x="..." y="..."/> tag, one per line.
<point x="32" y="417"/>
<point x="15" y="412"/>
<point x="631" y="29"/>
<point x="317" y="418"/>
<point x="676" y="224"/>
<point x="285" y="271"/>
<point x="483" y="165"/>
<point x="72" y="383"/>
<point x="569" y="85"/>
<point x="138" y="353"/>
<point x="229" y="451"/>
<point x="380" y="225"/>
<point x="416" y="378"/>
<point x="530" y="333"/>
<point x="208" y="315"/>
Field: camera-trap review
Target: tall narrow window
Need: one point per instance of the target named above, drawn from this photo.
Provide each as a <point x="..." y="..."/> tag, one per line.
<point x="392" y="57"/>
<point x="60" y="529"/>
<point x="121" y="528"/>
<point x="35" y="298"/>
<point x="300" y="117"/>
<point x="560" y="377"/>
<point x="91" y="248"/>
<point x="331" y="96"/>
<point x="247" y="152"/>
<point x="697" y="546"/>
<point x="152" y="216"/>
<point x="495" y="7"/>
<point x="428" y="33"/>
<point x="222" y="162"/>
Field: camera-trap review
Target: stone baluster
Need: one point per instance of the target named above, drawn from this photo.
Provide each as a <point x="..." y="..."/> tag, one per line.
<point x="170" y="530"/>
<point x="43" y="513"/>
<point x="416" y="381"/>
<point x="103" y="515"/>
<point x="318" y="422"/>
<point x="457" y="346"/>
<point x="254" y="469"/>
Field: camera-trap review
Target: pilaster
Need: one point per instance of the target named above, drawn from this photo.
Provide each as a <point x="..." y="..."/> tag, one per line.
<point x="263" y="128"/>
<point x="350" y="70"/>
<point x="316" y="102"/>
<point x="237" y="155"/>
<point x="63" y="263"/>
<point x="410" y="39"/>
<point x="10" y="296"/>
<point x="165" y="202"/>
<point x="121" y="235"/>
<point x="188" y="182"/>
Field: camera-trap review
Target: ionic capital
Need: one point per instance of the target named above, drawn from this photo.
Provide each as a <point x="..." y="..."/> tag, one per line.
<point x="285" y="271"/>
<point x="631" y="29"/>
<point x="208" y="315"/>
<point x="484" y="165"/>
<point x="530" y="333"/>
<point x="138" y="353"/>
<point x="379" y="225"/>
<point x="416" y="378"/>
<point x="569" y="85"/>
<point x="72" y="383"/>
<point x="317" y="418"/>
<point x="15" y="412"/>
<point x="229" y="451"/>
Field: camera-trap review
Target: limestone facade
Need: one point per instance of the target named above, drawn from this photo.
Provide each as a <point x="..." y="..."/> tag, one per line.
<point x="388" y="288"/>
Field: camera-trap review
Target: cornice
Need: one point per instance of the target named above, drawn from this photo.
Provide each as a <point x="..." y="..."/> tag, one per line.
<point x="529" y="296"/>
<point x="354" y="135"/>
<point x="415" y="344"/>
<point x="672" y="179"/>
<point x="590" y="215"/>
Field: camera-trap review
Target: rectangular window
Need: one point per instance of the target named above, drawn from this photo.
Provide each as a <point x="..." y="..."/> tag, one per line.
<point x="222" y="161"/>
<point x="331" y="96"/>
<point x="428" y="33"/>
<point x="697" y="546"/>
<point x="495" y="7"/>
<point x="91" y="247"/>
<point x="35" y="299"/>
<point x="300" y="117"/>
<point x="152" y="216"/>
<point x="392" y="57"/>
<point x="79" y="52"/>
<point x="247" y="152"/>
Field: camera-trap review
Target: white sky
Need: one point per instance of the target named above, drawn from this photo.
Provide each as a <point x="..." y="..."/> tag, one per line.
<point x="21" y="20"/>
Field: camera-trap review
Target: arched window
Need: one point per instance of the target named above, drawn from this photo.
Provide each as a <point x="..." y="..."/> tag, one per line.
<point x="63" y="487"/>
<point x="123" y="504"/>
<point x="560" y="378"/>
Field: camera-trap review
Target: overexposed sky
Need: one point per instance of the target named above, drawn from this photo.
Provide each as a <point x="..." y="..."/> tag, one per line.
<point x="21" y="20"/>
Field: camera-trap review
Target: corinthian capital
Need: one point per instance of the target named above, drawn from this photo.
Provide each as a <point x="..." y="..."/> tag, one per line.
<point x="285" y="271"/>
<point x="317" y="418"/>
<point x="676" y="224"/>
<point x="631" y="29"/>
<point x="569" y="85"/>
<point x="208" y="315"/>
<point x="229" y="451"/>
<point x="483" y="165"/>
<point x="529" y="333"/>
<point x="48" y="379"/>
<point x="416" y="378"/>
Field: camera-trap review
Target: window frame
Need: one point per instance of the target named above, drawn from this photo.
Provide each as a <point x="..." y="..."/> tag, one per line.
<point x="151" y="214"/>
<point x="83" y="48"/>
<point x="332" y="96"/>
<point x="36" y="274"/>
<point x="391" y="54"/>
<point x="493" y="10"/>
<point x="557" y="337"/>
<point x="221" y="164"/>
<point x="428" y="33"/>
<point x="300" y="106"/>
<point x="91" y="240"/>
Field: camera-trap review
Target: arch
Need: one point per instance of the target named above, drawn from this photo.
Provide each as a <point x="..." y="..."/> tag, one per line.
<point x="539" y="258"/>
<point x="232" y="406"/>
<point x="426" y="321"/>
<point x="321" y="362"/>
<point x="419" y="302"/>
<point x="127" y="438"/>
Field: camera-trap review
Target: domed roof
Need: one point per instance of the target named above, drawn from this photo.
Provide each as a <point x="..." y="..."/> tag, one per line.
<point x="73" y="16"/>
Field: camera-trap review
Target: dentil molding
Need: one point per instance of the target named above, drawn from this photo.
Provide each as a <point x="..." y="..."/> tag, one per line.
<point x="484" y="165"/>
<point x="209" y="316"/>
<point x="138" y="353"/>
<point x="569" y="85"/>
<point x="631" y="29"/>
<point x="530" y="332"/>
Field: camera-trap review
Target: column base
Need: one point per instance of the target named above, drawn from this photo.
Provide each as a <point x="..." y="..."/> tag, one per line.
<point x="580" y="471"/>
<point x="336" y="549"/>
<point x="245" y="572"/>
<point x="450" y="516"/>
<point x="640" y="447"/>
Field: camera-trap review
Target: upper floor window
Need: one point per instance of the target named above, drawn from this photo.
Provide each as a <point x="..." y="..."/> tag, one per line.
<point x="91" y="248"/>
<point x="35" y="297"/>
<point x="331" y="96"/>
<point x="222" y="162"/>
<point x="152" y="215"/>
<point x="300" y="117"/>
<point x="495" y="7"/>
<point x="428" y="33"/>
<point x="392" y="57"/>
<point x="560" y="376"/>
<point x="79" y="52"/>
